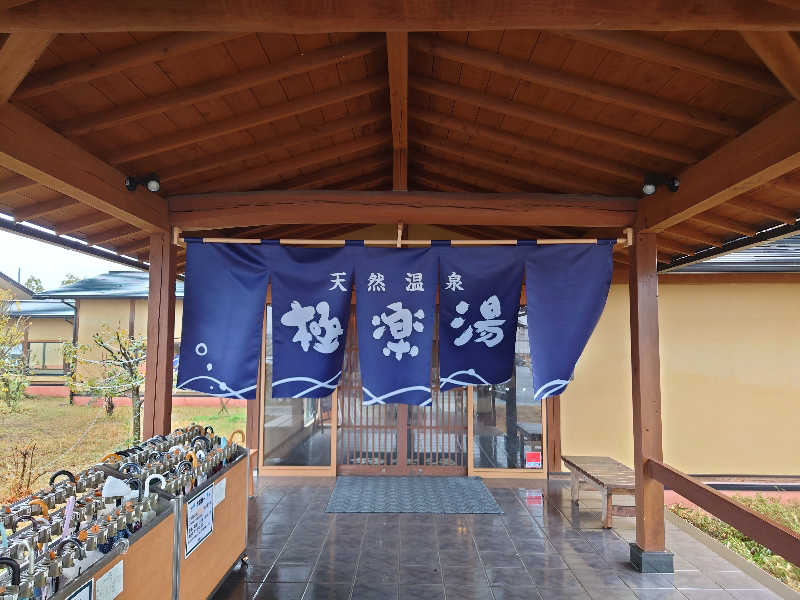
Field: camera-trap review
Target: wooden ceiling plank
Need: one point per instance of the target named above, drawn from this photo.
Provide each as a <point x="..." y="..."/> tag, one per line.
<point x="229" y="209"/>
<point x="778" y="213"/>
<point x="324" y="178"/>
<point x="322" y="16"/>
<point x="725" y="223"/>
<point x="368" y="182"/>
<point x="669" y="243"/>
<point x="40" y="209"/>
<point x="134" y="246"/>
<point x="560" y="121"/>
<point x="12" y="185"/>
<point x="528" y="144"/>
<point x="443" y="184"/>
<point x="110" y="234"/>
<point x="215" y="88"/>
<point x="263" y="116"/>
<point x="765" y="152"/>
<point x="397" y="53"/>
<point x="544" y="176"/>
<point x="160" y="48"/>
<point x="30" y="148"/>
<point x="82" y="222"/>
<point x="580" y="86"/>
<point x="690" y="233"/>
<point x="257" y="176"/>
<point x="779" y="51"/>
<point x="468" y="175"/>
<point x="658" y="51"/>
<point x="306" y="135"/>
<point x="17" y="56"/>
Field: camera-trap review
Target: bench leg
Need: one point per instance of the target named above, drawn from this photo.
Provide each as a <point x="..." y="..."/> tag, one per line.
<point x="575" y="486"/>
<point x="607" y="508"/>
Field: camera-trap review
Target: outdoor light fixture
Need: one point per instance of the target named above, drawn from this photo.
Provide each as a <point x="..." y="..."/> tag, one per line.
<point x="653" y="180"/>
<point x="151" y="182"/>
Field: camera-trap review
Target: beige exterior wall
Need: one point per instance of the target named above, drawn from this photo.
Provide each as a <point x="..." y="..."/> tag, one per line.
<point x="729" y="375"/>
<point x="47" y="329"/>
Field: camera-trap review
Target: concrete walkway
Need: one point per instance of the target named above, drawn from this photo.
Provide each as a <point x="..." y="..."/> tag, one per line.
<point x="541" y="548"/>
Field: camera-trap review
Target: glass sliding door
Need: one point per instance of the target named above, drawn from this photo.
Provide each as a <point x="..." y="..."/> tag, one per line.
<point x="507" y="421"/>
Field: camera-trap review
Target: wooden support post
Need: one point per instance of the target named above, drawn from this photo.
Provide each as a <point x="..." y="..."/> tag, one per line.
<point x="553" y="416"/>
<point x="157" y="409"/>
<point x="253" y="426"/>
<point x="647" y="554"/>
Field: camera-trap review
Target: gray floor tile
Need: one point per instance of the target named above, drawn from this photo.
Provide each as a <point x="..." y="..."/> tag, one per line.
<point x="555" y="578"/>
<point x="694" y="580"/>
<point x="280" y="591"/>
<point x="467" y="592"/>
<point x="638" y="581"/>
<point x="508" y="576"/>
<point x="519" y="592"/>
<point x="707" y="594"/>
<point x="420" y="574"/>
<point x="735" y="580"/>
<point x="421" y="592"/>
<point x="651" y="594"/>
<point x="374" y="591"/>
<point x="289" y="572"/>
<point x="464" y="576"/>
<point x="325" y="591"/>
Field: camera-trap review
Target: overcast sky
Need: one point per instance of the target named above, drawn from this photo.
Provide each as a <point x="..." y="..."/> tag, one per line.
<point x="48" y="262"/>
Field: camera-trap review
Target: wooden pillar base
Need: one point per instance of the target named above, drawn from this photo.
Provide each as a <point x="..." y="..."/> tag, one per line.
<point x="651" y="562"/>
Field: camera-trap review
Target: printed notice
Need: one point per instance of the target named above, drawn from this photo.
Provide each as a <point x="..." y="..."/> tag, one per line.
<point x="85" y="591"/>
<point x="109" y="586"/>
<point x="199" y="519"/>
<point x="219" y="492"/>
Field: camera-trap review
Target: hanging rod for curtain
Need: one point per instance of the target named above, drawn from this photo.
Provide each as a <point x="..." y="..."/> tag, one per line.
<point x="626" y="241"/>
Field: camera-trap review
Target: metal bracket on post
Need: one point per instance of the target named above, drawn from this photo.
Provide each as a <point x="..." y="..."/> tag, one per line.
<point x="177" y="240"/>
<point x="628" y="231"/>
<point x="400" y="234"/>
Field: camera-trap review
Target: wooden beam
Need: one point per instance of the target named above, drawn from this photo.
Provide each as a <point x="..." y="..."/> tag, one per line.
<point x="779" y="539"/>
<point x="761" y="154"/>
<point x="534" y="146"/>
<point x="157" y="408"/>
<point x="215" y="88"/>
<point x="580" y="86"/>
<point x="780" y="52"/>
<point x="256" y="177"/>
<point x="160" y="48"/>
<point x="561" y="121"/>
<point x="30" y="148"/>
<point x="278" y="207"/>
<point x="543" y="176"/>
<point x="320" y="16"/>
<point x="314" y="135"/>
<point x="12" y="185"/>
<point x="442" y="184"/>
<point x="645" y="368"/>
<point x="262" y="116"/>
<point x="41" y="208"/>
<point x="397" y="53"/>
<point x="17" y="56"/>
<point x="133" y="247"/>
<point x="658" y="51"/>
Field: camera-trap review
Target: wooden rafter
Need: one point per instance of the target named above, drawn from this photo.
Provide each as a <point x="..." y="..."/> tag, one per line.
<point x="43" y="207"/>
<point x="761" y="154"/>
<point x="215" y="88"/>
<point x="262" y="116"/>
<point x="690" y="233"/>
<point x="440" y="183"/>
<point x="370" y="181"/>
<point x="108" y="235"/>
<point x="82" y="222"/>
<point x="533" y="146"/>
<point x="580" y="86"/>
<point x="725" y="223"/>
<point x="780" y="52"/>
<point x="134" y="247"/>
<point x="777" y="213"/>
<point x="17" y="56"/>
<point x="397" y="53"/>
<point x="313" y="135"/>
<point x="470" y="175"/>
<point x="230" y="209"/>
<point x="331" y="176"/>
<point x="160" y="48"/>
<point x="256" y="177"/>
<point x="564" y="122"/>
<point x="12" y="185"/>
<point x="658" y="51"/>
<point x="537" y="175"/>
<point x="320" y="16"/>
<point x="31" y="149"/>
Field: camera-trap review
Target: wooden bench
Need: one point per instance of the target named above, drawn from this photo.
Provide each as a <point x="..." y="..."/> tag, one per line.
<point x="607" y="474"/>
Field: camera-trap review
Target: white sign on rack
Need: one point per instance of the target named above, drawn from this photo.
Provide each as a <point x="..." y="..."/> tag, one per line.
<point x="109" y="586"/>
<point x="199" y="519"/>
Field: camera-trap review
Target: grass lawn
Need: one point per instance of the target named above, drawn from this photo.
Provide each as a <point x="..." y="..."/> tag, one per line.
<point x="786" y="513"/>
<point x="74" y="437"/>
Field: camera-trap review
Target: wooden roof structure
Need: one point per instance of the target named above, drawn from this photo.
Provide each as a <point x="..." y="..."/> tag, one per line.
<point x="509" y="119"/>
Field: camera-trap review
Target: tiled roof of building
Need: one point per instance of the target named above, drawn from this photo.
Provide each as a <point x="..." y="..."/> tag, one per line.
<point x="779" y="256"/>
<point x="41" y="308"/>
<point x="114" y="284"/>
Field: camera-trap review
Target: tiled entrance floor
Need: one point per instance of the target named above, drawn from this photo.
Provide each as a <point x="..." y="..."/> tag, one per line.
<point x="539" y="549"/>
